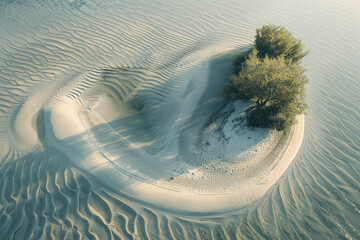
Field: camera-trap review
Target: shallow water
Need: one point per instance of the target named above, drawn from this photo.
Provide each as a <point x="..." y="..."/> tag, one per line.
<point x="47" y="45"/>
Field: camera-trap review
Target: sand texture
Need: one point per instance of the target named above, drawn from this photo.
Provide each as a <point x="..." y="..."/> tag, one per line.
<point x="112" y="114"/>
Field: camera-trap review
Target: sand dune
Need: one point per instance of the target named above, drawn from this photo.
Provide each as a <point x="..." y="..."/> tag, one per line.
<point x="111" y="110"/>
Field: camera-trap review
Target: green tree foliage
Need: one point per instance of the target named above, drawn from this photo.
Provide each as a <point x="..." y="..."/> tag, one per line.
<point x="276" y="86"/>
<point x="271" y="77"/>
<point x="277" y="41"/>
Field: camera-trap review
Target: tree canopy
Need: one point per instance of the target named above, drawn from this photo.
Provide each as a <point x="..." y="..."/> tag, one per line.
<point x="277" y="41"/>
<point x="273" y="80"/>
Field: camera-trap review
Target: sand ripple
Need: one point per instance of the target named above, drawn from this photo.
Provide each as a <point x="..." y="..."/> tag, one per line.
<point x="148" y="63"/>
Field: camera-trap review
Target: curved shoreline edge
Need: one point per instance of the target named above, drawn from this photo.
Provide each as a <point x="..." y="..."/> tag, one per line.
<point x="202" y="203"/>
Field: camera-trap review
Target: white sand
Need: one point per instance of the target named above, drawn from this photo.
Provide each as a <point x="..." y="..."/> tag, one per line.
<point x="212" y="202"/>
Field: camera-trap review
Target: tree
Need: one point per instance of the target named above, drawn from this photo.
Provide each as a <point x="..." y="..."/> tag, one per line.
<point x="276" y="86"/>
<point x="277" y="41"/>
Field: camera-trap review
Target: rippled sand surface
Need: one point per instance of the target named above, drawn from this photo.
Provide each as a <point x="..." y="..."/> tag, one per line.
<point x="82" y="81"/>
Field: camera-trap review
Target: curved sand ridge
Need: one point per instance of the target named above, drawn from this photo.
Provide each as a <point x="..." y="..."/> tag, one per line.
<point x="220" y="202"/>
<point x="142" y="150"/>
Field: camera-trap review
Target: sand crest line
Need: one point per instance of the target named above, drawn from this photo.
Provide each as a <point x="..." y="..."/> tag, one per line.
<point x="100" y="156"/>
